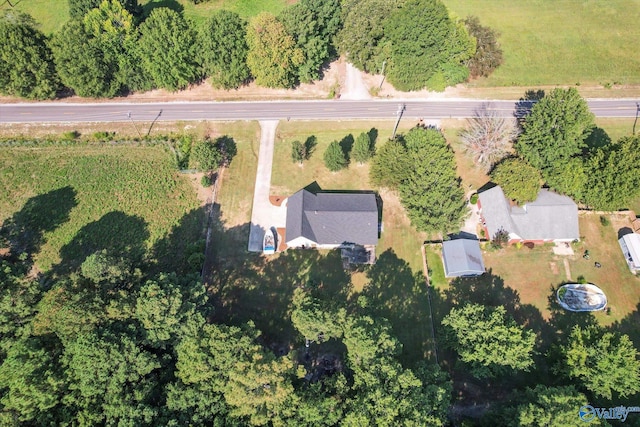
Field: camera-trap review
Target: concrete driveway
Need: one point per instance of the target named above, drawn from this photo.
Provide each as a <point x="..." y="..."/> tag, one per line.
<point x="264" y="215"/>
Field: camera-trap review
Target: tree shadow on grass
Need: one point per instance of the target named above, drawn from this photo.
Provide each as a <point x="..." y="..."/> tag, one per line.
<point x="563" y="321"/>
<point x="24" y="231"/>
<point x="310" y="146"/>
<point x="121" y="235"/>
<point x="398" y="294"/>
<point x="373" y="137"/>
<point x="155" y="4"/>
<point x="178" y="250"/>
<point x="346" y="144"/>
<point x="630" y="325"/>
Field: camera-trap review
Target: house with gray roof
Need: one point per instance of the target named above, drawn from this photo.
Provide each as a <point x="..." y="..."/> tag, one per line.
<point x="550" y="218"/>
<point x="462" y="257"/>
<point x="328" y="220"/>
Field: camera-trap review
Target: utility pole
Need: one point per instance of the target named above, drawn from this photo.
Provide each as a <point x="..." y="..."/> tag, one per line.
<point x="134" y="124"/>
<point x="401" y="108"/>
<point x="382" y="72"/>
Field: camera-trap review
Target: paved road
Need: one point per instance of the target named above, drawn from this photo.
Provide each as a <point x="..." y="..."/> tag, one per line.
<point x="263" y="214"/>
<point x="277" y="110"/>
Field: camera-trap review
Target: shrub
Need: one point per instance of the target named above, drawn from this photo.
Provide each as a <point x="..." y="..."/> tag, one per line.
<point x="71" y="135"/>
<point x="205" y="181"/>
<point x="604" y="221"/>
<point x="473" y="199"/>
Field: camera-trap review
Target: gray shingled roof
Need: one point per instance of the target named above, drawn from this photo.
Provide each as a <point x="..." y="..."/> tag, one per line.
<point x="333" y="218"/>
<point x="550" y="217"/>
<point x="462" y="257"/>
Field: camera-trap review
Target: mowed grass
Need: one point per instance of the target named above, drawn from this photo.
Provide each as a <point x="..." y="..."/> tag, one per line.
<point x="534" y="272"/>
<point x="560" y="42"/>
<point x="52" y="14"/>
<point x="134" y="189"/>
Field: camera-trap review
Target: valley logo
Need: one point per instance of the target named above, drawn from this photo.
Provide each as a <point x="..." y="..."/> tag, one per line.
<point x="588" y="413"/>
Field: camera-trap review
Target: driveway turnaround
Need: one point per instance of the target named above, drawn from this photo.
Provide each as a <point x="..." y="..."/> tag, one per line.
<point x="264" y="215"/>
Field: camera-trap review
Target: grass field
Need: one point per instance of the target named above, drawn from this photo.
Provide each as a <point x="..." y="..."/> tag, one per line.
<point x="560" y="42"/>
<point x="52" y="14"/>
<point x="79" y="197"/>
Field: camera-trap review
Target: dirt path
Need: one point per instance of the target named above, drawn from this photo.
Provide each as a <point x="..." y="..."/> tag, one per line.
<point x="264" y="215"/>
<point x="354" y="86"/>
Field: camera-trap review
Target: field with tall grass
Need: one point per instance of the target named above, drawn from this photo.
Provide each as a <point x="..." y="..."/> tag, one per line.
<point x="95" y="196"/>
<point x="560" y="42"/>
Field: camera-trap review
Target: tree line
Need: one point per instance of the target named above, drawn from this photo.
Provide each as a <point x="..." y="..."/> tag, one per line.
<point x="111" y="47"/>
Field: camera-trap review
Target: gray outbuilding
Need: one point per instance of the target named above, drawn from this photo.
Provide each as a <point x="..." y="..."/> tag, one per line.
<point x="462" y="257"/>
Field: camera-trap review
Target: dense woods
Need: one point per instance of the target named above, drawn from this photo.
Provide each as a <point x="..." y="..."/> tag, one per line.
<point x="112" y="47"/>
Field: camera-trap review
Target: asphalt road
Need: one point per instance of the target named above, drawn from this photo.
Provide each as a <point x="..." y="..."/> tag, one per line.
<point x="48" y="112"/>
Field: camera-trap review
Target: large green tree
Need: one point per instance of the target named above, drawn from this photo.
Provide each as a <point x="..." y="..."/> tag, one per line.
<point x="223" y="49"/>
<point x="605" y="362"/>
<point x="545" y="407"/>
<point x="18" y="298"/>
<point x="427" y="48"/>
<point x="111" y="379"/>
<point x="553" y="138"/>
<point x="431" y="191"/>
<point x="32" y="384"/>
<point x="313" y="25"/>
<point x="81" y="62"/>
<point x="489" y="342"/>
<point x="519" y="180"/>
<point x="26" y="62"/>
<point x="361" y="38"/>
<point x="613" y="175"/>
<point x="273" y="56"/>
<point x="167" y="48"/>
<point x="206" y="354"/>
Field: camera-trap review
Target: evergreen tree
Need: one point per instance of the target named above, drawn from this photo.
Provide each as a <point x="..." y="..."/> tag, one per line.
<point x="613" y="175"/>
<point x="390" y="164"/>
<point x="430" y="191"/>
<point x="334" y="158"/>
<point x="362" y="152"/>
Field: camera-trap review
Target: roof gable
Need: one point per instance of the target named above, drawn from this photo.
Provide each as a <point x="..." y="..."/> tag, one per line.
<point x="462" y="257"/>
<point x="333" y="218"/>
<point x="550" y="217"/>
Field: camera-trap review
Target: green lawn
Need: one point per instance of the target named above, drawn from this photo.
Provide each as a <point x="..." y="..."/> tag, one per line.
<point x="52" y="14"/>
<point x="560" y="42"/>
<point x="82" y="198"/>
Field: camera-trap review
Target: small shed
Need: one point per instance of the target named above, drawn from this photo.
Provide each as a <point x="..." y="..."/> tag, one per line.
<point x="630" y="245"/>
<point x="462" y="257"/>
